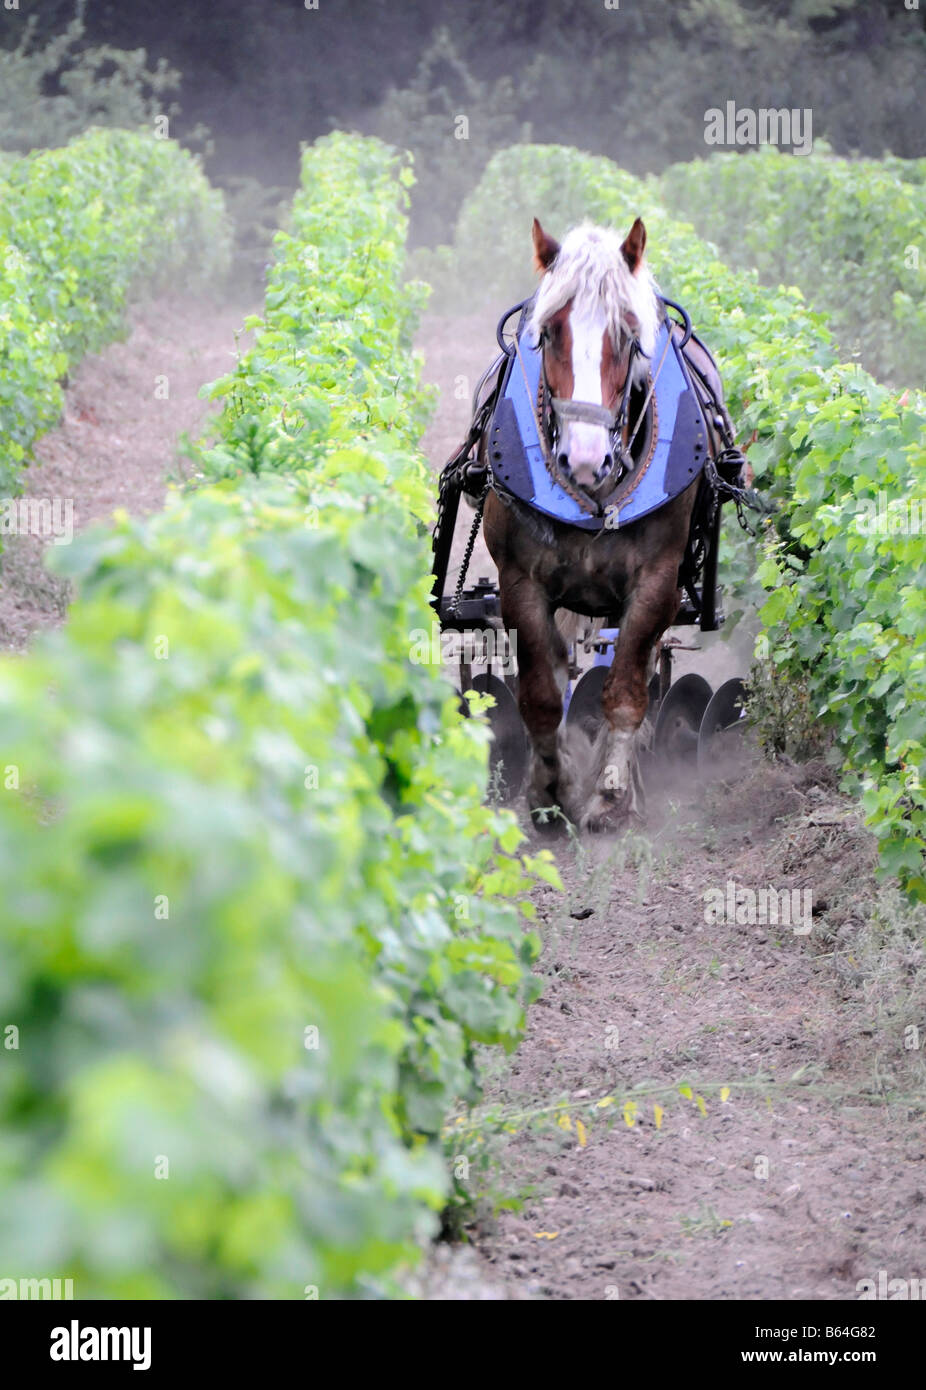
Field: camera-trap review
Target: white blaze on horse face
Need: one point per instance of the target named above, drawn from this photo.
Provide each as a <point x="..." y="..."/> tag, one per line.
<point x="586" y="445"/>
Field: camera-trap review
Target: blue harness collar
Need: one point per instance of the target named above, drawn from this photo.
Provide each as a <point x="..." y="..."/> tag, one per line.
<point x="673" y="456"/>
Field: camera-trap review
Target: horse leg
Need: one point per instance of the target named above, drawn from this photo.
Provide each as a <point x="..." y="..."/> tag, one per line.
<point x="618" y="792"/>
<point x="543" y="670"/>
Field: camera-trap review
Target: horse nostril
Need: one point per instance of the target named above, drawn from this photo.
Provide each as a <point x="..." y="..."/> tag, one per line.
<point x="606" y="466"/>
<point x="563" y="461"/>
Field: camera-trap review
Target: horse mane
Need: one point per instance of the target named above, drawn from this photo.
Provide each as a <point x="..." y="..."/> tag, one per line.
<point x="591" y="270"/>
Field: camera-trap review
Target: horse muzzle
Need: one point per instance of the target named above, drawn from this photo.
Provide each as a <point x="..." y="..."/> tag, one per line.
<point x="586" y="442"/>
<point x="588" y="475"/>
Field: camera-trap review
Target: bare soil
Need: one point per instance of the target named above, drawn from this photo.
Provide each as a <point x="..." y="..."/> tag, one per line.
<point x="116" y="442"/>
<point x="705" y="1109"/>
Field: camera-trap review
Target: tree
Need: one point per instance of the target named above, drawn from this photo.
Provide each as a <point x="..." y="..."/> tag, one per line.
<point x="98" y="85"/>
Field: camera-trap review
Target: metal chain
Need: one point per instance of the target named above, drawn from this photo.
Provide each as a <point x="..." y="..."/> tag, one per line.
<point x="455" y="471"/>
<point x="468" y="552"/>
<point x="730" y="459"/>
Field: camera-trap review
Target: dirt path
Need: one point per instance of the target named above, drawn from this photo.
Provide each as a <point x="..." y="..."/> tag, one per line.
<point x="116" y="443"/>
<point x="773" y="1145"/>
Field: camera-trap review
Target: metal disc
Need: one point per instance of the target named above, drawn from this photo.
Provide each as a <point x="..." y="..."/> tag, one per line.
<point x="508" y="755"/>
<point x="724" y="713"/>
<point x="678" y="723"/>
<point x="585" y="705"/>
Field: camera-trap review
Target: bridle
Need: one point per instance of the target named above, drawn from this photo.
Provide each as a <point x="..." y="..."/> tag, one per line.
<point x="552" y="411"/>
<point x="555" y="411"/>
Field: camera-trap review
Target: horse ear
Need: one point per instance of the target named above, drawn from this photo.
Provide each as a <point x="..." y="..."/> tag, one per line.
<point x="635" y="245"/>
<point x="545" y="248"/>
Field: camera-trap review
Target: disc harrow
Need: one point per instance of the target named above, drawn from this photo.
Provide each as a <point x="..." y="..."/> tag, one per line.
<point x="695" y="728"/>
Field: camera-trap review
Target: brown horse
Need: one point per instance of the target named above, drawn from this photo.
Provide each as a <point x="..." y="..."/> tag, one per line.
<point x="597" y="314"/>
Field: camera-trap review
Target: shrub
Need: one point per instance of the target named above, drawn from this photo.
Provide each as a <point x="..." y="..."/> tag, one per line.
<point x="82" y="228"/>
<point x="53" y="93"/>
<point x="259" y="918"/>
<point x="846" y="231"/>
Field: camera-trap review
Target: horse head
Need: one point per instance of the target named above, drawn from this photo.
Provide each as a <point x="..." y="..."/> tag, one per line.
<point x="596" y="316"/>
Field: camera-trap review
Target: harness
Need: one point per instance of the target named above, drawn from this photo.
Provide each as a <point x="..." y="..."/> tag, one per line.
<point x="681" y="416"/>
<point x="553" y="412"/>
<point x="526" y="422"/>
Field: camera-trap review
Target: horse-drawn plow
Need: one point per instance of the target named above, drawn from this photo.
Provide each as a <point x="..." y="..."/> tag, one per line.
<point x="691" y="723"/>
<point x="510" y="451"/>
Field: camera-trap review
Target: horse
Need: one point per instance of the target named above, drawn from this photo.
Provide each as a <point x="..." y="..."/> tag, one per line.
<point x="596" y="315"/>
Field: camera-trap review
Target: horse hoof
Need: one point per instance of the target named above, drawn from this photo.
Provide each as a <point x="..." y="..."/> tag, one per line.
<point x="610" y="813"/>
